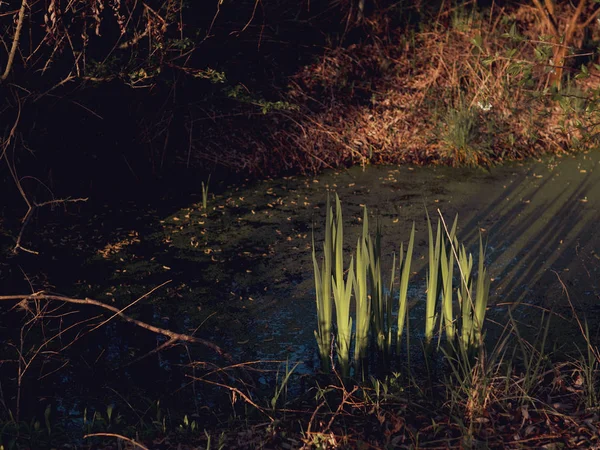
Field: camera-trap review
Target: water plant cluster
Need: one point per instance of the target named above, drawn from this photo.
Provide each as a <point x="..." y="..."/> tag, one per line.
<point x="455" y="300"/>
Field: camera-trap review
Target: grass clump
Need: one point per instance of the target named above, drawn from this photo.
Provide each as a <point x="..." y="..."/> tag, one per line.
<point x="374" y="307"/>
<point x="463" y="143"/>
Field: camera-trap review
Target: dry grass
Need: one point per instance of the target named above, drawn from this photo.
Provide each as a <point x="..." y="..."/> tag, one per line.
<point x="471" y="88"/>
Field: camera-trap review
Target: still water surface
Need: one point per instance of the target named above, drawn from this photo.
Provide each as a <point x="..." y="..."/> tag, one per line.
<point x="240" y="273"/>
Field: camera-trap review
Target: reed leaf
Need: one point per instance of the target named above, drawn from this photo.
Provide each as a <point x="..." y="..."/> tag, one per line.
<point x="342" y="292"/>
<point x="361" y="295"/>
<point x="473" y="309"/>
<point x="376" y="289"/>
<point x="447" y="270"/>
<point x="388" y="297"/>
<point x="338" y="240"/>
<point x="323" y="291"/>
<point x="481" y="295"/>
<point x="433" y="281"/>
<point x="205" y="194"/>
<point x="404" y="267"/>
<point x="465" y="265"/>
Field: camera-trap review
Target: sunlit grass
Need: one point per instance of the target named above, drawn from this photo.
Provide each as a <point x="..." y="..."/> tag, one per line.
<point x="447" y="271"/>
<point x="375" y="308"/>
<point x="205" y="194"/>
<point x="323" y="291"/>
<point x="473" y="307"/>
<point x="361" y="294"/>
<point x="481" y="296"/>
<point x="378" y="297"/>
<point x="465" y="265"/>
<point x="433" y="280"/>
<point x="342" y="292"/>
<point x="405" y="263"/>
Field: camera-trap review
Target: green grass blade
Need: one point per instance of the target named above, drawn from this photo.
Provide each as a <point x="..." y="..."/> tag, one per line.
<point x="465" y="265"/>
<point x="363" y="305"/>
<point x="447" y="268"/>
<point x="323" y="292"/>
<point x="342" y="292"/>
<point x="388" y="307"/>
<point x="403" y="290"/>
<point x="481" y="296"/>
<point x="376" y="293"/>
<point x="447" y="271"/>
<point x="432" y="281"/>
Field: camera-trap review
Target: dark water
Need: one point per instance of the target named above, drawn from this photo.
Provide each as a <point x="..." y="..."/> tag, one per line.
<point x="240" y="273"/>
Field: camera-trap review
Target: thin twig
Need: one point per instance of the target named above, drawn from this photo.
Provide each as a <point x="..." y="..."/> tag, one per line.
<point x="593" y="349"/>
<point x="15" y="41"/>
<point x="118" y="436"/>
<point x="130" y="305"/>
<point x="31" y="207"/>
<point x="237" y="391"/>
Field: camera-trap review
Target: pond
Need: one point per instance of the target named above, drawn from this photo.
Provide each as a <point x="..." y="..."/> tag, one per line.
<point x="240" y="273"/>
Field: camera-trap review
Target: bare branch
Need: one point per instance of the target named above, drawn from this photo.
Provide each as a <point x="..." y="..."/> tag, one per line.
<point x="31" y="207"/>
<point x="572" y="25"/>
<point x="88" y="301"/>
<point x="548" y="17"/>
<point x="591" y="18"/>
<point x="15" y="41"/>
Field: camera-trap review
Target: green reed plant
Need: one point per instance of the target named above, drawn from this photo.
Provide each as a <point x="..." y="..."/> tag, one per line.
<point x="323" y="291"/>
<point x="361" y="294"/>
<point x="433" y="280"/>
<point x="465" y="139"/>
<point x="388" y="303"/>
<point x="378" y="297"/>
<point x="481" y="295"/>
<point x="342" y="292"/>
<point x="447" y="269"/>
<point x="282" y="388"/>
<point x="205" y="194"/>
<point x="465" y="266"/>
<point x="473" y="307"/>
<point x="404" y="263"/>
<point x="374" y="308"/>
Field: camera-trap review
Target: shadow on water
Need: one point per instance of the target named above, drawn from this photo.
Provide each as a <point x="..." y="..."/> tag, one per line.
<point x="241" y="273"/>
<point x="543" y="234"/>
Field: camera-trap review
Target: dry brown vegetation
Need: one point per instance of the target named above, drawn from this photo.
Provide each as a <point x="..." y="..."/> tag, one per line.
<point x="465" y="87"/>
